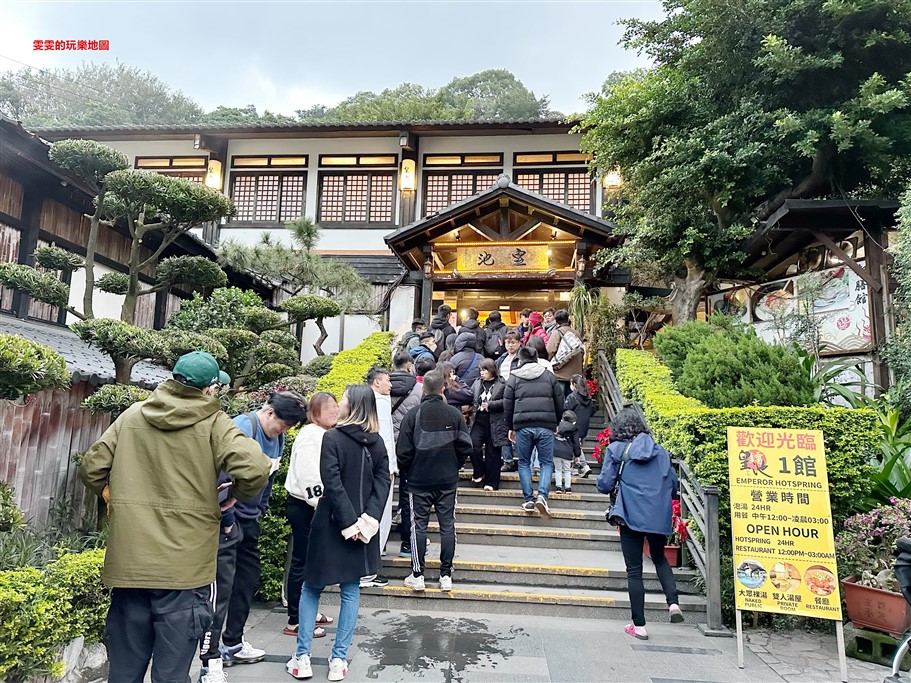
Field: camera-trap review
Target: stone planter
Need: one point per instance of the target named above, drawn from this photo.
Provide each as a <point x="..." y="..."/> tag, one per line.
<point x="671" y="553"/>
<point x="876" y="609"/>
<point x="83" y="663"/>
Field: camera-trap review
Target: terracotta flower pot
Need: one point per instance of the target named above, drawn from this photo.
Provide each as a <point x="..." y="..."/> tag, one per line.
<point x="876" y="609"/>
<point x="671" y="553"/>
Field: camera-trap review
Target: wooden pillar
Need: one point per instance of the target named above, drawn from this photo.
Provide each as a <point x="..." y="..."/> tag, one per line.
<point x="161" y="308"/>
<point x="28" y="241"/>
<point x="873" y="251"/>
<point x="427" y="284"/>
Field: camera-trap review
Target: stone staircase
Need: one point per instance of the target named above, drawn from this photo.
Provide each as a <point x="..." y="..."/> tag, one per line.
<point x="509" y="561"/>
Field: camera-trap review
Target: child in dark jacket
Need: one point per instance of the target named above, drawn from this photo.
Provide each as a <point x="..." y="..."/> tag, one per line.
<point x="567" y="448"/>
<point x="580" y="402"/>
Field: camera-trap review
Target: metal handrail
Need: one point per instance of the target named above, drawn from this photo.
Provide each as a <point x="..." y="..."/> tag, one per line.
<point x="697" y="502"/>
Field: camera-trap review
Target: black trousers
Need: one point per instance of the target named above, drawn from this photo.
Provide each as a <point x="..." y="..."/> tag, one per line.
<point x="224" y="584"/>
<point x="486" y="459"/>
<point x="163" y="626"/>
<point x="246" y="581"/>
<point x="631" y="543"/>
<point x="300" y="516"/>
<point x="405" y="507"/>
<point x="444" y="503"/>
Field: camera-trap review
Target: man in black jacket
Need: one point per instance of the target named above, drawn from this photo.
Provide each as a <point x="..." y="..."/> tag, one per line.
<point x="466" y="363"/>
<point x="433" y="445"/>
<point x="472" y="326"/>
<point x="442" y="329"/>
<point x="533" y="403"/>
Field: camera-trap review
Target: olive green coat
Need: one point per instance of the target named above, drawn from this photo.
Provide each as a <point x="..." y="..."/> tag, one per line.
<point x="161" y="458"/>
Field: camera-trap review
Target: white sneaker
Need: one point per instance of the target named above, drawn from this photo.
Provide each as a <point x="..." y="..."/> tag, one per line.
<point x="241" y="654"/>
<point x="299" y="666"/>
<point x="212" y="672"/>
<point x="338" y="669"/>
<point x="415" y="583"/>
<point x="446" y="583"/>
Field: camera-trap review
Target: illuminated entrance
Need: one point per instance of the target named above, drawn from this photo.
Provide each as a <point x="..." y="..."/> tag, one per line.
<point x="503" y="249"/>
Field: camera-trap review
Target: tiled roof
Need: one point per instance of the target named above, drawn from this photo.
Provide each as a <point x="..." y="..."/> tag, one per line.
<point x="86" y="364"/>
<point x="374" y="268"/>
<point x="367" y="125"/>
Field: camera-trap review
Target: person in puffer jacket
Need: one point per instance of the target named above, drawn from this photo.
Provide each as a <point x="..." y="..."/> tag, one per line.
<point x="466" y="363"/>
<point x="406" y="390"/>
<point x="643" y="508"/>
<point x="471" y="325"/>
<point x="533" y="402"/>
<point x="580" y="402"/>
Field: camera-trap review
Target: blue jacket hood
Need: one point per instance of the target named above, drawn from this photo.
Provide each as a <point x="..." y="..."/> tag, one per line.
<point x="643" y="448"/>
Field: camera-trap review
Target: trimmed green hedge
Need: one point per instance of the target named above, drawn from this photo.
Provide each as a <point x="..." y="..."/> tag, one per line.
<point x="698" y="435"/>
<point x="351" y="366"/>
<point x="42" y="610"/>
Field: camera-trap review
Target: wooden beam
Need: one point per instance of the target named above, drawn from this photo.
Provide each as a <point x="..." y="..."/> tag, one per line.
<point x="873" y="240"/>
<point x="504" y="221"/>
<point x="484" y="230"/>
<point x="522" y="230"/>
<point x="866" y="275"/>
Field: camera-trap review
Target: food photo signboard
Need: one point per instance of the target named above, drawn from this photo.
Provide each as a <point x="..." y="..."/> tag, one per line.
<point x="781" y="523"/>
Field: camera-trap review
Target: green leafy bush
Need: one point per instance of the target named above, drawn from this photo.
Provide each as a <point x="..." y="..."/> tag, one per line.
<point x="319" y="366"/>
<point x="194" y="270"/>
<point x="27" y="367"/>
<point x="114" y="283"/>
<point x="351" y="366"/>
<point x="114" y="398"/>
<point x="675" y="343"/>
<point x="10" y="514"/>
<point x="275" y="531"/>
<point x="119" y="339"/>
<point x="55" y="258"/>
<point x="176" y="343"/>
<point x="727" y="372"/>
<point x="698" y="435"/>
<point x="224" y="308"/>
<point x="44" y="287"/>
<point x="88" y="159"/>
<point x="41" y="611"/>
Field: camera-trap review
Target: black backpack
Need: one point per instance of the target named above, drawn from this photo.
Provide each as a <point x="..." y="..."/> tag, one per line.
<point x="494" y="347"/>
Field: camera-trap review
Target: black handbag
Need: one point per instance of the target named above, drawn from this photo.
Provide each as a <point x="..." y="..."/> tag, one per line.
<point x="611" y="515"/>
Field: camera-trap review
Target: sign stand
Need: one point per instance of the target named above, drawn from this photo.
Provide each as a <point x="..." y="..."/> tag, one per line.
<point x="739" y="639"/>
<point x="842" y="658"/>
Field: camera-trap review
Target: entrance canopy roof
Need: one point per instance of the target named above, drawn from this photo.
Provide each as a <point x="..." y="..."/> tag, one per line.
<point x="481" y="233"/>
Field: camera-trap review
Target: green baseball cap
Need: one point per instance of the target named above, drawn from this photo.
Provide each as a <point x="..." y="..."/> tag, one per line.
<point x="200" y="369"/>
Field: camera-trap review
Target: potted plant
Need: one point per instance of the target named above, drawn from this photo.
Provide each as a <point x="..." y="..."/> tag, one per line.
<point x="676" y="539"/>
<point x="603" y="439"/>
<point x="865" y="557"/>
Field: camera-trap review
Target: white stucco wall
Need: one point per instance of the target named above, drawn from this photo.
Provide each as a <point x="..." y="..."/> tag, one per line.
<point x="105" y="305"/>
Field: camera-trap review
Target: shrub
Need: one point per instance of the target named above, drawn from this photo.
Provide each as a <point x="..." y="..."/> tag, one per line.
<point x="55" y="258"/>
<point x="698" y="435"/>
<point x="726" y="372"/>
<point x="351" y="366"/>
<point x="10" y="514"/>
<point x="866" y="544"/>
<point x="27" y="367"/>
<point x="41" y="611"/>
<point x="319" y="366"/>
<point x="45" y="287"/>
<point x="675" y="343"/>
<point x="310" y="307"/>
<point x="114" y="398"/>
<point x="225" y="307"/>
<point x="114" y="283"/>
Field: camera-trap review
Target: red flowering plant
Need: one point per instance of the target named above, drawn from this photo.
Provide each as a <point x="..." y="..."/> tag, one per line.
<point x="603" y="441"/>
<point x="592" y="387"/>
<point x="679" y="525"/>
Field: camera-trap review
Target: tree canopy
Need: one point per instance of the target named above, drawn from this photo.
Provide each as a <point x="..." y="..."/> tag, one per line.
<point x="115" y="94"/>
<point x="749" y="103"/>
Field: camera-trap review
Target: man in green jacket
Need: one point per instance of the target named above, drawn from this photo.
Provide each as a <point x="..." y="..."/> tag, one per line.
<point x="157" y="466"/>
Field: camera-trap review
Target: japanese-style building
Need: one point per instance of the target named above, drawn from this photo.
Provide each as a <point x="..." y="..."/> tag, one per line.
<point x="427" y="212"/>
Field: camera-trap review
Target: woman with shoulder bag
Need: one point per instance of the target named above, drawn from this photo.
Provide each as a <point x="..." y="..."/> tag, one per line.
<point x="488" y="426"/>
<point x="344" y="545"/>
<point x="305" y="488"/>
<point x="639" y="475"/>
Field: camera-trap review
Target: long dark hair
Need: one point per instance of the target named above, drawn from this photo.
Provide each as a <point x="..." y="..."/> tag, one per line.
<point x="628" y="424"/>
<point x="535" y="342"/>
<point x="580" y="386"/>
<point x="361" y="408"/>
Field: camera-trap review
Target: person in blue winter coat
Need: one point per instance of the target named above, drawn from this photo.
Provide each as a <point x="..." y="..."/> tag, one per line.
<point x="643" y="509"/>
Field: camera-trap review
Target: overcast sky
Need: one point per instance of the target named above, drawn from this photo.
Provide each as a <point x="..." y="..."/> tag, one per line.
<point x="288" y="55"/>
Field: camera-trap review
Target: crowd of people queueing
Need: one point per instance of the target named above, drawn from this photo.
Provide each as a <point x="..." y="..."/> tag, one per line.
<point x="167" y="467"/>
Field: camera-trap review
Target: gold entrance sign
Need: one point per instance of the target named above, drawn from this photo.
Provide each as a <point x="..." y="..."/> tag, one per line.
<point x="492" y="257"/>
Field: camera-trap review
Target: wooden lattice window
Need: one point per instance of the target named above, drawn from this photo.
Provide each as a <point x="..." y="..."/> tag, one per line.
<point x="357" y="198"/>
<point x="573" y="188"/>
<point x="269" y="197"/>
<point x="441" y="190"/>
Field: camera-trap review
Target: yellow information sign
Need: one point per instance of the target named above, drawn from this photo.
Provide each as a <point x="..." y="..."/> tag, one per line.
<point x="781" y="522"/>
<point x="491" y="257"/>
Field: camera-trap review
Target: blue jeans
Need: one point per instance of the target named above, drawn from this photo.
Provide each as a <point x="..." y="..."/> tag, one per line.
<point x="507" y="454"/>
<point x="347" y="617"/>
<point x="527" y="439"/>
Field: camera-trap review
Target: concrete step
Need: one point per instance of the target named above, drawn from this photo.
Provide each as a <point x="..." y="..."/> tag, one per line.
<point x="510" y="481"/>
<point x="511" y="498"/>
<point x="514" y="516"/>
<point x="533" y="566"/>
<point x="520" y="600"/>
<point x="603" y="538"/>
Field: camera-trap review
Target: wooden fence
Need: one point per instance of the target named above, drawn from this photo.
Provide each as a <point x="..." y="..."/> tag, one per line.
<point x="36" y="442"/>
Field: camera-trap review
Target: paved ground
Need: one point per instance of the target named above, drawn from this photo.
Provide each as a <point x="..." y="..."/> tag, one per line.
<point x="454" y="648"/>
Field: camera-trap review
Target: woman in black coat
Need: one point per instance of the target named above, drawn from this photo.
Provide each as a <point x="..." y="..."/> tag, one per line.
<point x="488" y="426"/>
<point x="344" y="544"/>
